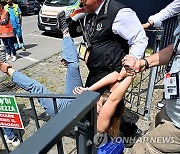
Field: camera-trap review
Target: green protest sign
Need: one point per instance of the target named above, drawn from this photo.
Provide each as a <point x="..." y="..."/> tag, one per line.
<point x="8" y="104"/>
<point x="9" y="113"/>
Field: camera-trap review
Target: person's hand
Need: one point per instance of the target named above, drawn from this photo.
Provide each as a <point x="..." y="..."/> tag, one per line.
<point x="128" y="63"/>
<point x="122" y="75"/>
<point x="4" y="67"/>
<point x="148" y="24"/>
<point x="79" y="90"/>
<point x="139" y="66"/>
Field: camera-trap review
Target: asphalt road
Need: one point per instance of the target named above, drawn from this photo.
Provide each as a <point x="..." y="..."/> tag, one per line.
<point x="39" y="45"/>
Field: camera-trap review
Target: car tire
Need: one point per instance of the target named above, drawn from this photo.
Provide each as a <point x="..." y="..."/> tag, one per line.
<point x="24" y="12"/>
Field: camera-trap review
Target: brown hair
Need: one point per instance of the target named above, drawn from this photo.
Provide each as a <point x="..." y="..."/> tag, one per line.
<point x="114" y="127"/>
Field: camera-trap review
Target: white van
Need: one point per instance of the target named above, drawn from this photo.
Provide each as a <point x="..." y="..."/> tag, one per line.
<point x="50" y="9"/>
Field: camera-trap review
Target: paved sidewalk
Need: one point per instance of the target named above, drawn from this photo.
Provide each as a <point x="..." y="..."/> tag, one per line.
<point x="52" y="74"/>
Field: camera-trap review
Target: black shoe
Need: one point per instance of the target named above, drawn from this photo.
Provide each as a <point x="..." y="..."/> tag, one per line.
<point x="61" y="22"/>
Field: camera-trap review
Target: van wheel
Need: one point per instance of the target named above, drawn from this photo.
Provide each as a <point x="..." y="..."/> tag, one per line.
<point x="24" y="12"/>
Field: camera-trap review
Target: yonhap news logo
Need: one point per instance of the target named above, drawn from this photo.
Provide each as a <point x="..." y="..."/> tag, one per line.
<point x="153" y="139"/>
<point x="102" y="138"/>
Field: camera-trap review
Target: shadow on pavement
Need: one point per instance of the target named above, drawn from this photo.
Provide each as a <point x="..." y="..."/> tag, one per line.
<point x="28" y="46"/>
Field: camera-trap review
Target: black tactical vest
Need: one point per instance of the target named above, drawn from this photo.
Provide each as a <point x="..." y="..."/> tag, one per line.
<point x="107" y="49"/>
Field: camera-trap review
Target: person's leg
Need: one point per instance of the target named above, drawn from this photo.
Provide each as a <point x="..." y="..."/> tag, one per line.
<point x="21" y="40"/>
<point x="34" y="86"/>
<point x="11" y="45"/>
<point x="73" y="77"/>
<point x="19" y="34"/>
<point x="9" y="133"/>
<point x="5" y="41"/>
<point x="165" y="138"/>
<point x="16" y="45"/>
<point x="10" y="137"/>
<point x="12" y="48"/>
<point x="29" y="85"/>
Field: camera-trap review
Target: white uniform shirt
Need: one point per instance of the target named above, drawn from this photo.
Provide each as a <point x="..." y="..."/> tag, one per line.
<point x="127" y="25"/>
<point x="169" y="11"/>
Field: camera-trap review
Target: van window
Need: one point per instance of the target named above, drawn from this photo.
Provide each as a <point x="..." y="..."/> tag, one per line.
<point x="60" y="2"/>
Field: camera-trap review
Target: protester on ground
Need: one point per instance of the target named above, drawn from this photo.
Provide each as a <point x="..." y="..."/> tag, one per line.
<point x="16" y="20"/>
<point x="165" y="136"/>
<point x="6" y="32"/>
<point x="169" y="11"/>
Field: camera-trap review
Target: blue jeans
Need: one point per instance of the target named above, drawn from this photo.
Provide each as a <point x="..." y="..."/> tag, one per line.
<point x="9" y="43"/>
<point x="73" y="79"/>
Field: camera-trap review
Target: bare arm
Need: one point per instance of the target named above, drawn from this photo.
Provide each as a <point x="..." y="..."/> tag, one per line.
<point x="160" y="58"/>
<point x="107" y="80"/>
<point x="109" y="107"/>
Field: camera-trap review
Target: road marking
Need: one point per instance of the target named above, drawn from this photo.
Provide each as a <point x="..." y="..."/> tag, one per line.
<point x="75" y="42"/>
<point x="28" y="58"/>
<point x="43" y="36"/>
<point x="29" y="21"/>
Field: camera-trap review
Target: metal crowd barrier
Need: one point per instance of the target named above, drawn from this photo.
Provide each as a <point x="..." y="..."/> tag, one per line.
<point x="139" y="96"/>
<point x="81" y="113"/>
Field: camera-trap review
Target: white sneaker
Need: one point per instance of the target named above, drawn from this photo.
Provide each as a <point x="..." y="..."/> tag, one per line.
<point x="8" y="57"/>
<point x="14" y="58"/>
<point x="15" y="141"/>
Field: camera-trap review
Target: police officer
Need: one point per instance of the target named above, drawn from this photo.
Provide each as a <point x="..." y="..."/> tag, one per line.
<point x="111" y="31"/>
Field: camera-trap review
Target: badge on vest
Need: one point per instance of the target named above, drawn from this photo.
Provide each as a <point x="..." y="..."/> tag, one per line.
<point x="82" y="51"/>
<point x="99" y="27"/>
<point x="171" y="85"/>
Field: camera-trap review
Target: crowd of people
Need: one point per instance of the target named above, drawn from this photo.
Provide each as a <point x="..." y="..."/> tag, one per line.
<point x="115" y="43"/>
<point x="10" y="29"/>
